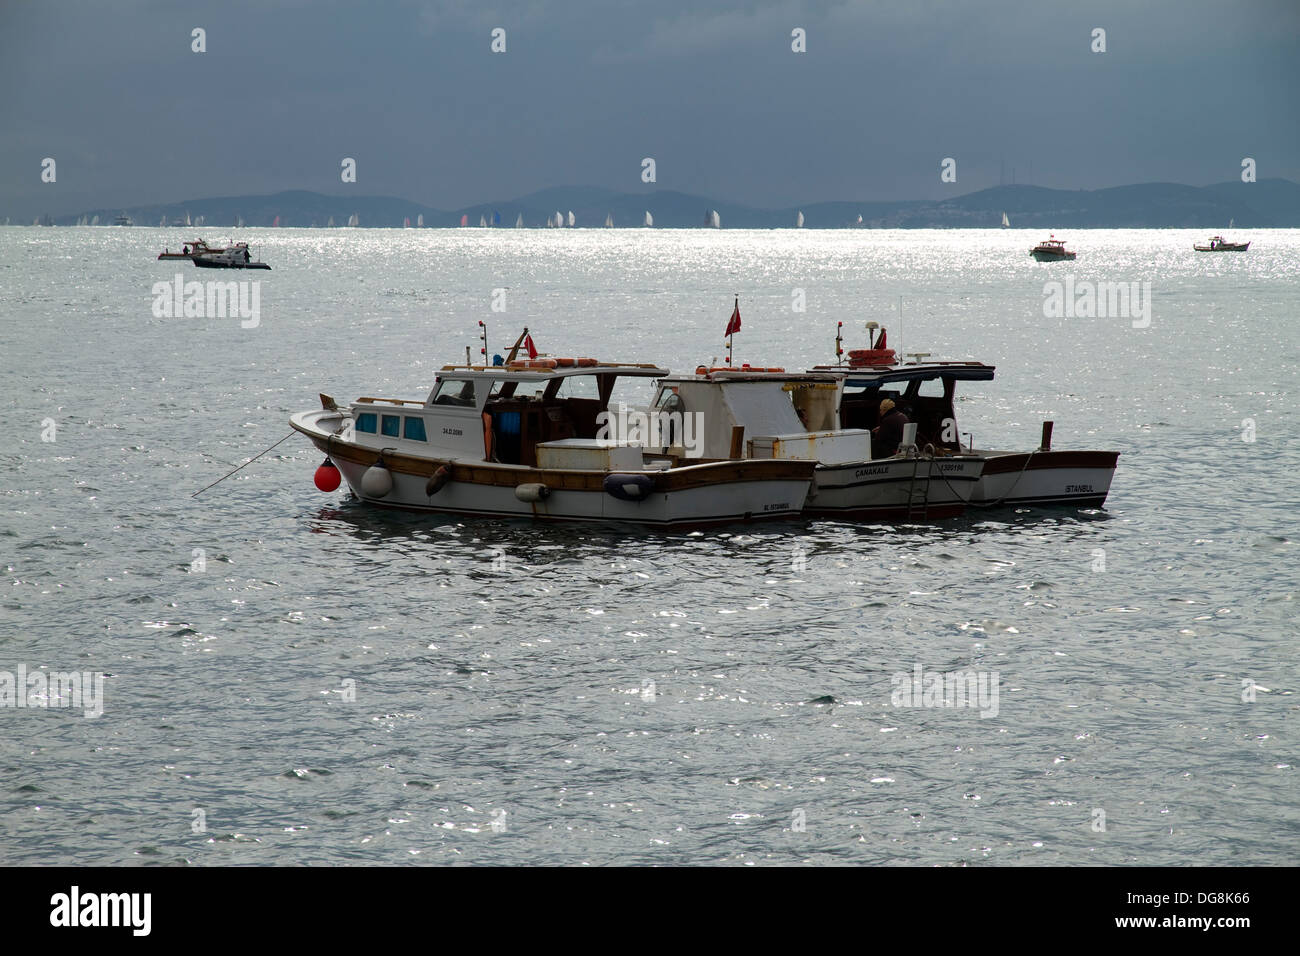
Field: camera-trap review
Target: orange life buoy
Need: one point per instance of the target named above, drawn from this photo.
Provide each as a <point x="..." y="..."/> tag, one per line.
<point x="533" y="363"/>
<point x="565" y="362"/>
<point x="871" y="357"/>
<point x="587" y="363"/>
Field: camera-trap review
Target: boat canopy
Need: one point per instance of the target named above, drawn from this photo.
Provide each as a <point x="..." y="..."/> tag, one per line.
<point x="957" y="371"/>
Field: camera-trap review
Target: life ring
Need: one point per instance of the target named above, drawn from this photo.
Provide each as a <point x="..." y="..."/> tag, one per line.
<point x="533" y="363"/>
<point x="565" y="362"/>
<point x="871" y="357"/>
<point x="587" y="363"/>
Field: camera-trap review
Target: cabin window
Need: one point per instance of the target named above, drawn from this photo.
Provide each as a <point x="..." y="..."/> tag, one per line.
<point x="389" y="425"/>
<point x="453" y="391"/>
<point x="578" y="386"/>
<point x="930" y="388"/>
<point x="366" y="422"/>
<point x="414" y="429"/>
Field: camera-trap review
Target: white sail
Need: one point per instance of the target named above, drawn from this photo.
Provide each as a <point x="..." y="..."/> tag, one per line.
<point x="1230" y="222"/>
<point x="162" y="222"/>
<point x="406" y="223"/>
<point x="1005" y="221"/>
<point x="482" y="221"/>
<point x="559" y="218"/>
<point x="94" y="221"/>
<point x="520" y="221"/>
<point x="649" y="219"/>
<point x="419" y="221"/>
<point x="609" y="221"/>
<point x="570" y="217"/>
<point x="798" y="222"/>
<point x="330" y="224"/>
<point x="239" y="222"/>
<point x="717" y="220"/>
<point x="353" y="220"/>
<point x="859" y="219"/>
<point x="187" y="219"/>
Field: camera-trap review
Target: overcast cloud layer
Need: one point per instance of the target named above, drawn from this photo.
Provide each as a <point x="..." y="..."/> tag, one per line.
<point x="585" y="90"/>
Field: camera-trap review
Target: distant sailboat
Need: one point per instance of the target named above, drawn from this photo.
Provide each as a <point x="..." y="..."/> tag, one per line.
<point x="712" y="220"/>
<point x="406" y="223"/>
<point x="94" y="221"/>
<point x="482" y="221"/>
<point x="239" y="222"/>
<point x="275" y="223"/>
<point x="520" y="221"/>
<point x="162" y="223"/>
<point x="353" y="220"/>
<point x="187" y="218"/>
<point x="798" y="221"/>
<point x="1230" y="222"/>
<point x="571" y="220"/>
<point x="199" y="221"/>
<point x="609" y="221"/>
<point x="419" y="221"/>
<point x="558" y="219"/>
<point x="496" y="218"/>
<point x="859" y="219"/>
<point x="1006" y="223"/>
<point x="330" y="224"/>
<point x="649" y="219"/>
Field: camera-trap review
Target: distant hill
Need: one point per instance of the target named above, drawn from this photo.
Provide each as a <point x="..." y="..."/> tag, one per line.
<point x="1267" y="203"/>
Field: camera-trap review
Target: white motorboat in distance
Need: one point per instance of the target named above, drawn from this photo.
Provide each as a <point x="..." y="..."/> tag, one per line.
<point x="232" y="257"/>
<point x="524" y="440"/>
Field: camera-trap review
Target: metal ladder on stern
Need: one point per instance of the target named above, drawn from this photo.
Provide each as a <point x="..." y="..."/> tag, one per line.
<point x="918" y="492"/>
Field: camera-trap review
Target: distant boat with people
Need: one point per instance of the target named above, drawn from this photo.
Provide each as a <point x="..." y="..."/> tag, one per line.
<point x="1219" y="244"/>
<point x="1051" y="250"/>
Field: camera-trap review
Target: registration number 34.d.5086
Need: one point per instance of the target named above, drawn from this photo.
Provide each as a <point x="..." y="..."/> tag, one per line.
<point x="452" y="431"/>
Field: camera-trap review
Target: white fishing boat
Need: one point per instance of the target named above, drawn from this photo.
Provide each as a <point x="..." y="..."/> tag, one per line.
<point x="771" y="414"/>
<point x="798" y="220"/>
<point x="524" y="440"/>
<point x="649" y="219"/>
<point x="926" y="392"/>
<point x="236" y="256"/>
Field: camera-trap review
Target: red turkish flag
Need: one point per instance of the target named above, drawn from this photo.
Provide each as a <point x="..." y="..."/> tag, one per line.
<point x="734" y="325"/>
<point x="528" y="344"/>
<point x="880" y="342"/>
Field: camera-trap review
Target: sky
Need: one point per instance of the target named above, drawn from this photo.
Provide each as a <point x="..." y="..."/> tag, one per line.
<point x="586" y="89"/>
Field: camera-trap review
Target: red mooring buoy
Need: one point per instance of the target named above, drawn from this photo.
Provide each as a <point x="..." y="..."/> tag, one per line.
<point x="327" y="476"/>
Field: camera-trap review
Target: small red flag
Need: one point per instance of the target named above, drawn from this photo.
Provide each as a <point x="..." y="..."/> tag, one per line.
<point x="880" y="342"/>
<point x="528" y="344"/>
<point x="734" y="325"/>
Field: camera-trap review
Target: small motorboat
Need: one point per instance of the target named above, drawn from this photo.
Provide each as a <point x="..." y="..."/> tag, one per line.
<point x="123" y="220"/>
<point x="532" y="439"/>
<point x="1219" y="244"/>
<point x="1051" y="250"/>
<point x="189" y="250"/>
<point x="232" y="257"/>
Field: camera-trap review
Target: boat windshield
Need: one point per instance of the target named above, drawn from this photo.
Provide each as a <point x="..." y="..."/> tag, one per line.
<point x="454" y="391"/>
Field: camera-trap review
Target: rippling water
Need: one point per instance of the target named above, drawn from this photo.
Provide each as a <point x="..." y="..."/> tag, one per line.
<point x="598" y="695"/>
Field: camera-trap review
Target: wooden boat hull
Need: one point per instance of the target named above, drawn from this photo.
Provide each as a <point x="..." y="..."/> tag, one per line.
<point x="896" y="489"/>
<point x="1080" y="478"/>
<point x="710" y="493"/>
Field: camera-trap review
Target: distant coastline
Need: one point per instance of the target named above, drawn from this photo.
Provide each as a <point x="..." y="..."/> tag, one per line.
<point x="1268" y="203"/>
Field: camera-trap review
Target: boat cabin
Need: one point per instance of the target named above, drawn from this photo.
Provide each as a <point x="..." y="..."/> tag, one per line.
<point x="502" y="413"/>
<point x="926" y="393"/>
<point x="757" y="413"/>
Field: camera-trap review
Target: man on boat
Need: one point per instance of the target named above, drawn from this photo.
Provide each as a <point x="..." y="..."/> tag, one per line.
<point x="888" y="435"/>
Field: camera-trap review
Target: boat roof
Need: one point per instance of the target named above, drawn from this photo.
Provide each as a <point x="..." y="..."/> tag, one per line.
<point x="740" y="374"/>
<point x="880" y="374"/>
<point x="518" y="374"/>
